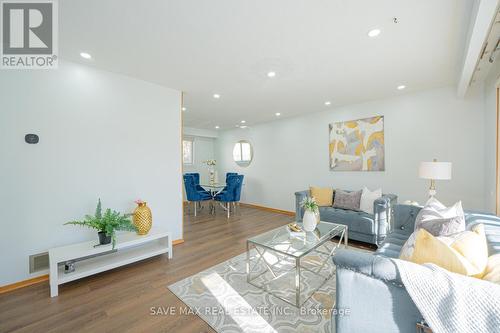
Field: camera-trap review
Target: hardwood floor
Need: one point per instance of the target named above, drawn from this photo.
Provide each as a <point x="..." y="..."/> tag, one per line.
<point x="120" y="300"/>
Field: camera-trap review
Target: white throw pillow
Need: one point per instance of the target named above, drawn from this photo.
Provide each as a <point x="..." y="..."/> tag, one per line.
<point x="440" y="220"/>
<point x="367" y="199"/>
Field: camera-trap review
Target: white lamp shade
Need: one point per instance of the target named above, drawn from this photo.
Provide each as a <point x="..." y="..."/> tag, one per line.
<point x="435" y="170"/>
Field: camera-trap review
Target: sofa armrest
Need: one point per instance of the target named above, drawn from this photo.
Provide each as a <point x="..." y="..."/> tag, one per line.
<point x="370" y="289"/>
<point x="382" y="209"/>
<point x="404" y="217"/>
<point x="369" y="264"/>
<point x="299" y="196"/>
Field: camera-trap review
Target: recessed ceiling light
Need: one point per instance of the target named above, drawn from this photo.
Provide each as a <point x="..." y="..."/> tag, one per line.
<point x="216" y="96"/>
<point x="271" y="74"/>
<point x="401" y="87"/>
<point x="328" y="103"/>
<point x="85" y="55"/>
<point x="243" y="126"/>
<point x="243" y="121"/>
<point x="217" y="127"/>
<point x="374" y="32"/>
<point x="183" y="108"/>
<point x="277" y="114"/>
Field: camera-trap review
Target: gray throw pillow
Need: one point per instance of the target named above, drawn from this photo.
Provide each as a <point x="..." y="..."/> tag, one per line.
<point x="347" y="200"/>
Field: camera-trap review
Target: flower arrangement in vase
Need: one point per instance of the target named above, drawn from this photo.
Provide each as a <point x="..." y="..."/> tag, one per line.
<point x="211" y="170"/>
<point x="311" y="213"/>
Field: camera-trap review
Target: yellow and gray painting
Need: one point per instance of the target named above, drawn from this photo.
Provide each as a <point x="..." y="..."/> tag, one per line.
<point x="357" y="145"/>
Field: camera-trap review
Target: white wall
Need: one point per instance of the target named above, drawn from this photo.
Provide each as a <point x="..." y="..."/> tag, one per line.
<point x="490" y="97"/>
<point x="292" y="154"/>
<point x="191" y="131"/>
<point x="102" y="135"/>
<point x="204" y="149"/>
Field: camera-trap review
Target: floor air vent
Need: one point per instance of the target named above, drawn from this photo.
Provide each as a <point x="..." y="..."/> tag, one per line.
<point x="39" y="262"/>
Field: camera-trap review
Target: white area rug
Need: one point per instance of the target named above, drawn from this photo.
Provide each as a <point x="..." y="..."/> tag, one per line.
<point x="222" y="297"/>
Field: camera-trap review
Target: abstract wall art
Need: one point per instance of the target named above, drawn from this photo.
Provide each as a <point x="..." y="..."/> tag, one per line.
<point x="357" y="145"/>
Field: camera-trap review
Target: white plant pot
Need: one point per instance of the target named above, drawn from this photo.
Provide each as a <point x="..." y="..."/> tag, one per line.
<point x="310" y="220"/>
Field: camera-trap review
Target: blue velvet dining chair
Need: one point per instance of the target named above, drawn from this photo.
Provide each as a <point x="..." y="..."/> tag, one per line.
<point x="196" y="176"/>
<point x="230" y="174"/>
<point x="232" y="193"/>
<point x="192" y="194"/>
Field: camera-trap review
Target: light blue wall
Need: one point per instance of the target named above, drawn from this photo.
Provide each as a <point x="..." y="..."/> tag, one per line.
<point x="292" y="154"/>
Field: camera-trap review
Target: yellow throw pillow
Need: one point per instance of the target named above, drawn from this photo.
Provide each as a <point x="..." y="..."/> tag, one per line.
<point x="472" y="245"/>
<point x="492" y="272"/>
<point x="463" y="253"/>
<point x="322" y="195"/>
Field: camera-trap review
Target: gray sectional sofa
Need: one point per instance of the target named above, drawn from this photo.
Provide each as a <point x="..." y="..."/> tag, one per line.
<point x="369" y="284"/>
<point x="369" y="228"/>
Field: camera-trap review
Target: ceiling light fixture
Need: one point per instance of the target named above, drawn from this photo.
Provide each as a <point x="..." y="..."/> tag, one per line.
<point x="271" y="74"/>
<point x="243" y="121"/>
<point x="85" y="55"/>
<point x="328" y="103"/>
<point x="216" y="96"/>
<point x="401" y="87"/>
<point x="217" y="127"/>
<point x="183" y="108"/>
<point x="374" y="33"/>
<point x="277" y="114"/>
<point x="243" y="126"/>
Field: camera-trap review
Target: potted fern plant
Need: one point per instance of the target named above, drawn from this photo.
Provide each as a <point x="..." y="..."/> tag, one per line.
<point x="106" y="224"/>
<point x="311" y="211"/>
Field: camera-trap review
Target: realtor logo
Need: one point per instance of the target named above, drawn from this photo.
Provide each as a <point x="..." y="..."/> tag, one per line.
<point x="29" y="34"/>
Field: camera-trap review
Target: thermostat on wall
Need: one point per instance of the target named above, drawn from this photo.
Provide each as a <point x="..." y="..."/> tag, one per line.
<point x="31" y="138"/>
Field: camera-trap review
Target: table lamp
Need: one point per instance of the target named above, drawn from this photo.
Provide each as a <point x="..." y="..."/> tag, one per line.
<point x="434" y="171"/>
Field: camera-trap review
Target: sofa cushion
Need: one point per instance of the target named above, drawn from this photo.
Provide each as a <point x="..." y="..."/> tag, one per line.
<point x="322" y="195"/>
<point x="389" y="250"/>
<point x="347" y="200"/>
<point x="355" y="221"/>
<point x="492" y="272"/>
<point x="438" y="220"/>
<point x="367" y="199"/>
<point x="404" y="227"/>
<point x="392" y="244"/>
<point x="491" y="229"/>
<point x="493" y="239"/>
<point x="397" y="237"/>
<point x="463" y="253"/>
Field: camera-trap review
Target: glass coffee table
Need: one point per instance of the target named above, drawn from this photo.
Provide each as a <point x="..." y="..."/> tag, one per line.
<point x="293" y="266"/>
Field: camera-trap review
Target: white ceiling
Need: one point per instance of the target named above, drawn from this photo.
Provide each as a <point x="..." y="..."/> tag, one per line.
<point x="319" y="49"/>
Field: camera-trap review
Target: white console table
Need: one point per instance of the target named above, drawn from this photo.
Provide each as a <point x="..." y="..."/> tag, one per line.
<point x="89" y="260"/>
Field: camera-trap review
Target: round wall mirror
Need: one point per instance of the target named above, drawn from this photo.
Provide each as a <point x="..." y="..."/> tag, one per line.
<point x="243" y="153"/>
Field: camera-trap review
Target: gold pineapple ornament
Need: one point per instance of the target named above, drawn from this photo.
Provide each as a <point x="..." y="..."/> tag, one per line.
<point x="143" y="219"/>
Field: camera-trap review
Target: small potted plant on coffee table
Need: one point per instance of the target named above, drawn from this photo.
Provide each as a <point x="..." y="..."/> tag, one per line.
<point x="311" y="211"/>
<point x="106" y="224"/>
